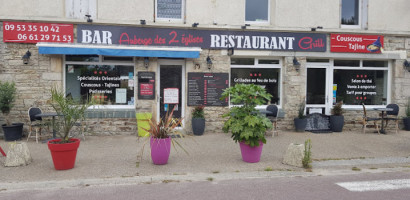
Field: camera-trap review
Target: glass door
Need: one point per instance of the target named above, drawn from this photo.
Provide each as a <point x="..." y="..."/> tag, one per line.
<point x="170" y="88"/>
<point x="318" y="99"/>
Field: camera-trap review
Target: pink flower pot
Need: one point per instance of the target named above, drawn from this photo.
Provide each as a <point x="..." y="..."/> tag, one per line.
<point x="160" y="149"/>
<point x="251" y="154"/>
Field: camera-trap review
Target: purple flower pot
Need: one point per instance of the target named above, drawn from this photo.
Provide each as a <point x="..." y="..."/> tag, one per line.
<point x="251" y="154"/>
<point x="160" y="149"/>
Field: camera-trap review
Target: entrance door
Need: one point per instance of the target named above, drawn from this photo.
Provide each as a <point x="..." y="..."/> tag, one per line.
<point x="171" y="88"/>
<point x="318" y="99"/>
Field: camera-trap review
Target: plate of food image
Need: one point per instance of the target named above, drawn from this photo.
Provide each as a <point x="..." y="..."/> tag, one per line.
<point x="375" y="46"/>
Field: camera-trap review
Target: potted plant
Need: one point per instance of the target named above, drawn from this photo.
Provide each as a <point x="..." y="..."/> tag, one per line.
<point x="246" y="124"/>
<point x="161" y="137"/>
<point x="64" y="149"/>
<point x="406" y="120"/>
<point x="301" y="121"/>
<point x="198" y="120"/>
<point x="337" y="119"/>
<point x="12" y="131"/>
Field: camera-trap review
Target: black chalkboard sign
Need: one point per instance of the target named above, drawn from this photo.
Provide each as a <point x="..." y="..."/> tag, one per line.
<point x="146" y="85"/>
<point x="317" y="122"/>
<point x="206" y="89"/>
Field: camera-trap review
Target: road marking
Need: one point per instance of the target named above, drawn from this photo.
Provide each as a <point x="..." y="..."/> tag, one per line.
<point x="362" y="186"/>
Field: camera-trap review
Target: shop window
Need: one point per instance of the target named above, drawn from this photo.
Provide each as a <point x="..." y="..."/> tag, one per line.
<point x="169" y="9"/>
<point x="372" y="63"/>
<point x="257" y="11"/>
<point x="354" y="13"/>
<point x="347" y="63"/>
<point x="108" y="81"/>
<point x="105" y="84"/>
<point x="261" y="61"/>
<point x="266" y="75"/>
<point x="317" y="60"/>
<point x="242" y="61"/>
<point x="77" y="9"/>
<point x="117" y="59"/>
<point x="355" y="87"/>
<point x="82" y="58"/>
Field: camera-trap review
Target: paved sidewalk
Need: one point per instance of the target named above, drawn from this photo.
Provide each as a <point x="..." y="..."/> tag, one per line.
<point x="115" y="157"/>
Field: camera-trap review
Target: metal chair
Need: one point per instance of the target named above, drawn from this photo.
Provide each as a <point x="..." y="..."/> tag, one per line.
<point x="273" y="117"/>
<point x="35" y="122"/>
<point x="393" y="115"/>
<point x="366" y="120"/>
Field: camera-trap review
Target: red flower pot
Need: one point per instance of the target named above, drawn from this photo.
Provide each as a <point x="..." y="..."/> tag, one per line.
<point x="251" y="154"/>
<point x="160" y="149"/>
<point x="63" y="154"/>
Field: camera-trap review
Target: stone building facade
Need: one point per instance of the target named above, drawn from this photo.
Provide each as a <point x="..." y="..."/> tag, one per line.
<point x="35" y="79"/>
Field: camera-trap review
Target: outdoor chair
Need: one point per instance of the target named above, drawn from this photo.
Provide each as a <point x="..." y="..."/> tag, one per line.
<point x="273" y="117"/>
<point x="367" y="120"/>
<point x="36" y="123"/>
<point x="393" y="115"/>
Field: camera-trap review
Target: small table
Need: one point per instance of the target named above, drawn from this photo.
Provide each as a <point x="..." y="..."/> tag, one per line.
<point x="383" y="110"/>
<point x="54" y="115"/>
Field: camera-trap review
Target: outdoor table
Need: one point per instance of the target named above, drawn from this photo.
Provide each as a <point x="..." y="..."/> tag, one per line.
<point x="383" y="110"/>
<point x="53" y="115"/>
<point x="264" y="112"/>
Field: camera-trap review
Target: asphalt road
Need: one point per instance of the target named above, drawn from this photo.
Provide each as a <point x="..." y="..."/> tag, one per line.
<point x="374" y="186"/>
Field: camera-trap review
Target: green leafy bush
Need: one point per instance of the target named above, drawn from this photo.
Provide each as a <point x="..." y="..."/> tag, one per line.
<point x="7" y="97"/>
<point x="245" y="122"/>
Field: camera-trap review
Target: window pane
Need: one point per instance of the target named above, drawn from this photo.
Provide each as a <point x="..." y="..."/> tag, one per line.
<point x="316" y="60"/>
<point x="106" y="84"/>
<point x="242" y="61"/>
<point x="267" y="78"/>
<point x="117" y="58"/>
<point x="256" y="10"/>
<point x="268" y="61"/>
<point x="170" y="9"/>
<point x="355" y="87"/>
<point x="316" y="86"/>
<point x="372" y="63"/>
<point x="347" y="63"/>
<point x="82" y="58"/>
<point x="350" y="12"/>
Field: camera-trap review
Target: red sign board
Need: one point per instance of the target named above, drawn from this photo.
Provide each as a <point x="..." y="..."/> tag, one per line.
<point x="356" y="43"/>
<point x="26" y="32"/>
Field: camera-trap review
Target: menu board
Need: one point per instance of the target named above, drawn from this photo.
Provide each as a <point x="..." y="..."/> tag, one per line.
<point x="146" y="85"/>
<point x="206" y="89"/>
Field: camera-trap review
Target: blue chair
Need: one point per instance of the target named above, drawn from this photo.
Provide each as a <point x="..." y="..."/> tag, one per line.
<point x="393" y="115"/>
<point x="35" y="122"/>
<point x="273" y="117"/>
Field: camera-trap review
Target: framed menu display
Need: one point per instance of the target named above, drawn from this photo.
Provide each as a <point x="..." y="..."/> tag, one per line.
<point x="206" y="89"/>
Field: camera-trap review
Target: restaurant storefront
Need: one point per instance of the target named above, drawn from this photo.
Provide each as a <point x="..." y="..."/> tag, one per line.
<point x="142" y="69"/>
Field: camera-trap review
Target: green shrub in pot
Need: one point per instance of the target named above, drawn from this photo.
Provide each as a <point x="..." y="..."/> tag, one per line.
<point x="244" y="120"/>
